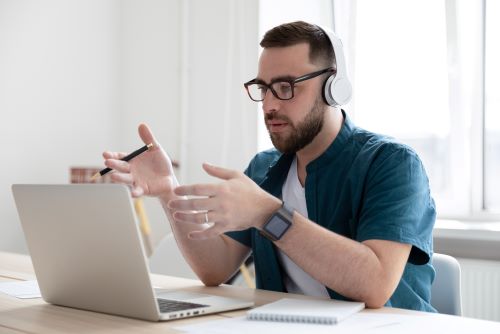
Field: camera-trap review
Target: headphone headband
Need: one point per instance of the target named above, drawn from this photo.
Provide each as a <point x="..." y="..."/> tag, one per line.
<point x="337" y="89"/>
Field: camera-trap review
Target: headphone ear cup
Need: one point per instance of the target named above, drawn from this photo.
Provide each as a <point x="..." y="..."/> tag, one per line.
<point x="327" y="91"/>
<point x="341" y="91"/>
<point x="336" y="91"/>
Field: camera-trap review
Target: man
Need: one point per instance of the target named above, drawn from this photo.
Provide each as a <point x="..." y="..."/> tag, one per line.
<point x="333" y="211"/>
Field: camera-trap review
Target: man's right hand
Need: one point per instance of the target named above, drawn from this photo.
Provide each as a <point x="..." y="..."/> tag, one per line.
<point x="150" y="173"/>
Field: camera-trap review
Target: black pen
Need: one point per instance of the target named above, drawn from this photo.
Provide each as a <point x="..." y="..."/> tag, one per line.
<point x="126" y="158"/>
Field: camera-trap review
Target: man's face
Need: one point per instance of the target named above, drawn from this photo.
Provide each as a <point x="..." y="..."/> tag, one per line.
<point x="292" y="124"/>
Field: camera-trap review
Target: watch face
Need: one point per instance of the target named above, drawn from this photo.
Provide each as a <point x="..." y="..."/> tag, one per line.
<point x="277" y="226"/>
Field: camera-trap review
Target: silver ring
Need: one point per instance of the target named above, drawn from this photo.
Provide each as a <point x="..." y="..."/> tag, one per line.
<point x="206" y="216"/>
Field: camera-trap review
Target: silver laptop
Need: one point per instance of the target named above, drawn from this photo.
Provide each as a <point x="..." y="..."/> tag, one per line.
<point x="87" y="253"/>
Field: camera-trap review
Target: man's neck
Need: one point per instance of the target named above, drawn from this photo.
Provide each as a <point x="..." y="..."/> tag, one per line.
<point x="331" y="127"/>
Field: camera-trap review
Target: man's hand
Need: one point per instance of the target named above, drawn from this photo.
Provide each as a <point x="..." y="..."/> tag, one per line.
<point x="150" y="173"/>
<point x="237" y="203"/>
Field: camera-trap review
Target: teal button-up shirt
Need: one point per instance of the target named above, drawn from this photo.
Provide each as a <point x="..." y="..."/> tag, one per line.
<point x="364" y="186"/>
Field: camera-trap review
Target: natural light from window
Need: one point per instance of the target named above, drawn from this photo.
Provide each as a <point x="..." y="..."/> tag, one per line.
<point x="401" y="81"/>
<point x="417" y="73"/>
<point x="492" y="107"/>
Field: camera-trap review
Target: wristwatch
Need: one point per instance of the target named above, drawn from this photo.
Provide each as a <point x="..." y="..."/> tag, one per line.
<point x="278" y="224"/>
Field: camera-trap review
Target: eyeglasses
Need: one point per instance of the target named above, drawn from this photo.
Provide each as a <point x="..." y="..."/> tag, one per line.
<point x="281" y="88"/>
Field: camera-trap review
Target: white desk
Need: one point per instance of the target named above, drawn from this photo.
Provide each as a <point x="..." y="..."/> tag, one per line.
<point x="36" y="316"/>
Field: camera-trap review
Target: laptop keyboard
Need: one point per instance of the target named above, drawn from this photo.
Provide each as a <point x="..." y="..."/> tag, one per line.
<point x="167" y="305"/>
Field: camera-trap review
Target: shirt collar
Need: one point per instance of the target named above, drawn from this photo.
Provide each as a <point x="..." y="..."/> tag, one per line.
<point x="279" y="170"/>
<point x="338" y="144"/>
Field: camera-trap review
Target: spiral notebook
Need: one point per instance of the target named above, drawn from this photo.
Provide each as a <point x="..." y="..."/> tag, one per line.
<point x="328" y="312"/>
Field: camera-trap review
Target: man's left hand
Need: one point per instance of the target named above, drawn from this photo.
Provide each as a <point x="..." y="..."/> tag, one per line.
<point x="235" y="204"/>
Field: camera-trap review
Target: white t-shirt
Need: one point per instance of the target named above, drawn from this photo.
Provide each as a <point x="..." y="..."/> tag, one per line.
<point x="296" y="279"/>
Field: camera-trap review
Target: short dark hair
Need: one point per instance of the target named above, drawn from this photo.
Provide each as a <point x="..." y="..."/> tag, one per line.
<point x="288" y="34"/>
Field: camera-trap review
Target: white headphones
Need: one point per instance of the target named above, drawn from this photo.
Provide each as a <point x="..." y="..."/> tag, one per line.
<point x="337" y="89"/>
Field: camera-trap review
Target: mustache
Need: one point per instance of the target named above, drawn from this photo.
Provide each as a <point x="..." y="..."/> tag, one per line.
<point x="274" y="116"/>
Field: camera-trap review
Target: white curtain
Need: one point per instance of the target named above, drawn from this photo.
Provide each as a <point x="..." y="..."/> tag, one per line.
<point x="217" y="121"/>
<point x="220" y="53"/>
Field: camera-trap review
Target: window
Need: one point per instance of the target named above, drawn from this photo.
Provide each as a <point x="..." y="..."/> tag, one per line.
<point x="492" y="107"/>
<point x="404" y="88"/>
<point x="401" y="80"/>
<point x="420" y="76"/>
<point x="425" y="72"/>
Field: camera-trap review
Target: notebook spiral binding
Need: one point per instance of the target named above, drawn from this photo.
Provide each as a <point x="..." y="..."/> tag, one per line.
<point x="292" y="318"/>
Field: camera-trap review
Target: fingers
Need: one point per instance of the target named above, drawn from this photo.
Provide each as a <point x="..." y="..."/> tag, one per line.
<point x="126" y="178"/>
<point x="196" y="204"/>
<point x="201" y="218"/>
<point x="220" y="172"/>
<point x="137" y="191"/>
<point x="196" y="190"/>
<point x="211" y="232"/>
<point x="195" y="217"/>
<point x="113" y="155"/>
<point x="147" y="135"/>
<point x="122" y="178"/>
<point x="118" y="165"/>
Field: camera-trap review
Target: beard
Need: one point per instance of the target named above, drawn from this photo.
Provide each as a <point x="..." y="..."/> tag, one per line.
<point x="303" y="133"/>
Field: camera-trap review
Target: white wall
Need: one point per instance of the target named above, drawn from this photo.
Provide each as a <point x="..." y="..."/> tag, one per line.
<point x="150" y="71"/>
<point x="77" y="76"/>
<point x="183" y="68"/>
<point x="149" y="78"/>
<point x="58" y="94"/>
<point x="222" y="54"/>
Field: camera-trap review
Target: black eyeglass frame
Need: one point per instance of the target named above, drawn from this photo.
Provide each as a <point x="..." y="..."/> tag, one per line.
<point x="292" y="83"/>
